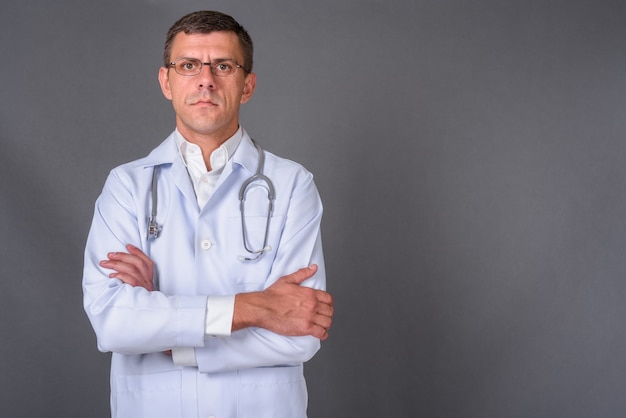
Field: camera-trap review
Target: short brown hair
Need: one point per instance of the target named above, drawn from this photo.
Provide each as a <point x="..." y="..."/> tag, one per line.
<point x="207" y="22"/>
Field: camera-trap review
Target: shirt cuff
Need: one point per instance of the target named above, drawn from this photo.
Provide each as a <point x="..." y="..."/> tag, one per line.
<point x="219" y="316"/>
<point x="184" y="356"/>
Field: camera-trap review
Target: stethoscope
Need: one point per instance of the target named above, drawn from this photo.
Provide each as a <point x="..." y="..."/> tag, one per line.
<point x="154" y="228"/>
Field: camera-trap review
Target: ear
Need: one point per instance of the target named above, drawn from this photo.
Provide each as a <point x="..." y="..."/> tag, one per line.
<point x="248" y="87"/>
<point x="164" y="81"/>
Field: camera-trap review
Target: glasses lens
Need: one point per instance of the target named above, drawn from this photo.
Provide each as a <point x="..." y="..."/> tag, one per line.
<point x="188" y="66"/>
<point x="192" y="66"/>
<point x="224" y="68"/>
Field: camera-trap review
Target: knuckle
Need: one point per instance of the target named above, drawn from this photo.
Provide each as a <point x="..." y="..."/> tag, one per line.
<point x="309" y="305"/>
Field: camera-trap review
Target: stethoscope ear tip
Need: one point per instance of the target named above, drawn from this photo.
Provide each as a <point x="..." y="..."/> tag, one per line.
<point x="259" y="254"/>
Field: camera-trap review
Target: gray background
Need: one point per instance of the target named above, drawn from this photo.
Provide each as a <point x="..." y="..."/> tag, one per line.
<point x="470" y="155"/>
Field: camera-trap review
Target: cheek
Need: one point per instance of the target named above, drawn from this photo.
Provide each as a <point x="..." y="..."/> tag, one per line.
<point x="178" y="100"/>
<point x="179" y="88"/>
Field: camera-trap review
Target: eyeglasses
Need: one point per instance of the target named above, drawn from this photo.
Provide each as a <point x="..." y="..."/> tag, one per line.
<point x="193" y="66"/>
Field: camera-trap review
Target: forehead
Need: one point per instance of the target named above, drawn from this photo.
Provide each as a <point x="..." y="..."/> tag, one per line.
<point x="207" y="45"/>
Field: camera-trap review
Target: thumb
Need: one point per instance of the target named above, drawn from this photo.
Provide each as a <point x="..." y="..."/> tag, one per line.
<point x="301" y="275"/>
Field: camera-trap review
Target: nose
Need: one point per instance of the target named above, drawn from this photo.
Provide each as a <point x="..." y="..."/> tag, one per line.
<point x="206" y="79"/>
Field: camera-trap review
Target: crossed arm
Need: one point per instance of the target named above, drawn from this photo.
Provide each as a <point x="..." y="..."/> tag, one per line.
<point x="285" y="307"/>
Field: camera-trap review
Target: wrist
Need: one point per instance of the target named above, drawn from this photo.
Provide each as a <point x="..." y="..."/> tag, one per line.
<point x="248" y="310"/>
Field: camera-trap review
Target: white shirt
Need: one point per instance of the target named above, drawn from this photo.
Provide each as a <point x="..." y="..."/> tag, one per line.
<point x="204" y="181"/>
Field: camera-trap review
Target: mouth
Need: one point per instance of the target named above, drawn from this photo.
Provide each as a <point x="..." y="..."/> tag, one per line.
<point x="200" y="100"/>
<point x="202" y="103"/>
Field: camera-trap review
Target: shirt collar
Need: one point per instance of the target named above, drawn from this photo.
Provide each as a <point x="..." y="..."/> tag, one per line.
<point x="191" y="154"/>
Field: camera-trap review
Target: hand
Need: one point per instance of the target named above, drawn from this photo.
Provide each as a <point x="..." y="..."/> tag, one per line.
<point x="286" y="307"/>
<point x="133" y="268"/>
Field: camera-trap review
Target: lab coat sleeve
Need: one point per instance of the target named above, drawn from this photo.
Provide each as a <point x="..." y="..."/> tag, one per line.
<point x="126" y="319"/>
<point x="300" y="245"/>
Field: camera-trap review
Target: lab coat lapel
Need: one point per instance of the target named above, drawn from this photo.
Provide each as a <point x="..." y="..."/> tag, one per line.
<point x="181" y="179"/>
<point x="245" y="157"/>
<point x="246" y="154"/>
<point x="167" y="153"/>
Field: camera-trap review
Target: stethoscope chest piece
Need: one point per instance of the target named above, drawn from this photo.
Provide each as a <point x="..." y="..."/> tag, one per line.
<point x="153" y="226"/>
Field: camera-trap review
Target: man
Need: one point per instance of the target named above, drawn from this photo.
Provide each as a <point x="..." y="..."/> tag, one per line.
<point x="189" y="290"/>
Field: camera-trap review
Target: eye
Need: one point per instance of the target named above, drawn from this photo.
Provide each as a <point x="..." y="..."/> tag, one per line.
<point x="224" y="67"/>
<point x="188" y="65"/>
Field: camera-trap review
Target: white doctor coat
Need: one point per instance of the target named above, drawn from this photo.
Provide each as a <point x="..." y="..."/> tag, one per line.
<point x="253" y="373"/>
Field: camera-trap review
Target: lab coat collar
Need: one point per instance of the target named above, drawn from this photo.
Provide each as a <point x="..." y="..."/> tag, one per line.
<point x="166" y="153"/>
<point x="246" y="154"/>
<point x="245" y="157"/>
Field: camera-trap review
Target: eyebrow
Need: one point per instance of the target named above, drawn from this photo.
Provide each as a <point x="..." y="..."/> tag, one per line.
<point x="215" y="60"/>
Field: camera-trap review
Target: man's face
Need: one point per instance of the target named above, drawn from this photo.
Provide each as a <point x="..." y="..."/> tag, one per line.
<point x="207" y="106"/>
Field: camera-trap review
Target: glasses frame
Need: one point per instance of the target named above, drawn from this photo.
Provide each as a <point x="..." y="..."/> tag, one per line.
<point x="211" y="66"/>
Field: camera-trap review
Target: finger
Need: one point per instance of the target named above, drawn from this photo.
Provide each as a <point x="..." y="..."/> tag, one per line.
<point x="127" y="273"/>
<point x="324" y="297"/>
<point x="126" y="258"/>
<point x="320" y="332"/>
<point x="138" y="253"/>
<point x="128" y="262"/>
<point x="133" y="281"/>
<point x="323" y="321"/>
<point x="123" y="267"/>
<point x="130" y="275"/>
<point x="126" y="278"/>
<point x="119" y="266"/>
<point x="326" y="310"/>
<point x="147" y="263"/>
<point x="301" y="275"/>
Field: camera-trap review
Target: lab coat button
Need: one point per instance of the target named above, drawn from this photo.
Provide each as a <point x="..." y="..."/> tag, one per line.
<point x="206" y="244"/>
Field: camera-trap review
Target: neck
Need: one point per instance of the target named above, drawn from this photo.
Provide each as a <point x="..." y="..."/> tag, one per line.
<point x="207" y="142"/>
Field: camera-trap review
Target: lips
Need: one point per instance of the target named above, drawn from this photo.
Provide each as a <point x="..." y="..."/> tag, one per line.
<point x="205" y="102"/>
<point x="202" y="102"/>
<point x="200" y="99"/>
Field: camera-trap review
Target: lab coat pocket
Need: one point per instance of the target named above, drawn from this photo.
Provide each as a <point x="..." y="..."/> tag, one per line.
<point x="150" y="395"/>
<point x="272" y="392"/>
